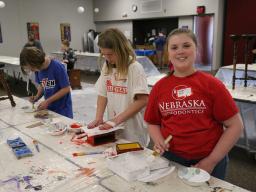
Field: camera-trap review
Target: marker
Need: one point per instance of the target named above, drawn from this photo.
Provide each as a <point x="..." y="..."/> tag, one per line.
<point x="83" y="153"/>
<point x="36" y="145"/>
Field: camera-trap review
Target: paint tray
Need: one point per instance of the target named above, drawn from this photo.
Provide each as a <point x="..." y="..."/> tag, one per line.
<point x="19" y="148"/>
<point x="22" y="152"/>
<point x="127" y="147"/>
<point x="14" y="143"/>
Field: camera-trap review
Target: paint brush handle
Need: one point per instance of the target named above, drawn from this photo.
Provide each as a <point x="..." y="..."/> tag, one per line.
<point x="33" y="102"/>
<point x="88" y="153"/>
<point x="36" y="145"/>
<point x="166" y="141"/>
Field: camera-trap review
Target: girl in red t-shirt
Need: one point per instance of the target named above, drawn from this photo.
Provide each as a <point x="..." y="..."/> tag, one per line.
<point x="193" y="107"/>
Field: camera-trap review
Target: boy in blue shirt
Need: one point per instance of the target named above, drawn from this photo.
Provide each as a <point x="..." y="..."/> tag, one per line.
<point x="52" y="78"/>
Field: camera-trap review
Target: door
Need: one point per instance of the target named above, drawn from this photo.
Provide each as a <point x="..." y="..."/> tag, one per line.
<point x="203" y="29"/>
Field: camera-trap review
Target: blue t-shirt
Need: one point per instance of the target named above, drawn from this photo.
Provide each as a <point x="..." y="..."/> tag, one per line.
<point x="53" y="79"/>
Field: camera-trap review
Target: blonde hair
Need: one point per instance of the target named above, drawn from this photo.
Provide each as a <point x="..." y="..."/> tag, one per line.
<point x="115" y="40"/>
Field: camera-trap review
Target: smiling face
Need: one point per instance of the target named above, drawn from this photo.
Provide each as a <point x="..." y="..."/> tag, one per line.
<point x="182" y="54"/>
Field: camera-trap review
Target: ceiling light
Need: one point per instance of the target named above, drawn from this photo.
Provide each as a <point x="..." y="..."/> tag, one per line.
<point x="96" y="10"/>
<point x="80" y="9"/>
<point x="2" y="4"/>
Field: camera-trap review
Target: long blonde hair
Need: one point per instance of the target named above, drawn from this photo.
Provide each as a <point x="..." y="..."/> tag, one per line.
<point x="115" y="40"/>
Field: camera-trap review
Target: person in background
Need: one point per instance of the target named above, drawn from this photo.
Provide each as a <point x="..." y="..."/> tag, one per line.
<point x="33" y="42"/>
<point x="195" y="108"/>
<point x="69" y="56"/>
<point x="52" y="80"/>
<point x="122" y="88"/>
<point x="159" y="44"/>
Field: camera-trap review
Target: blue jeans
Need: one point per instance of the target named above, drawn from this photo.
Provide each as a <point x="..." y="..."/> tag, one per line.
<point x="219" y="171"/>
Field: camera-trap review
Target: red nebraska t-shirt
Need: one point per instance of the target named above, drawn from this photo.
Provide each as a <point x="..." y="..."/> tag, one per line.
<point x="192" y="110"/>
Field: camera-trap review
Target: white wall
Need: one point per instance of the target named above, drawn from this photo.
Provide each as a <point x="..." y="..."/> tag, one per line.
<point x="10" y="26"/>
<point x="110" y="10"/>
<point x="49" y="14"/>
<point x="183" y="9"/>
<point x="124" y="26"/>
<point x="186" y="21"/>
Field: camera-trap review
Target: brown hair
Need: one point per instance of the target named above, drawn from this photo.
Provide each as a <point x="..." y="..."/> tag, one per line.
<point x="66" y="42"/>
<point x="115" y="40"/>
<point x="179" y="31"/>
<point x="31" y="56"/>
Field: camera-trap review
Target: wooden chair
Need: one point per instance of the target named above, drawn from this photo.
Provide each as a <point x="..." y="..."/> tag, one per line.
<point x="74" y="78"/>
<point x="5" y="86"/>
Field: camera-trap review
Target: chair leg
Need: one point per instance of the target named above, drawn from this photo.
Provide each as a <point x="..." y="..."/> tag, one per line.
<point x="6" y="88"/>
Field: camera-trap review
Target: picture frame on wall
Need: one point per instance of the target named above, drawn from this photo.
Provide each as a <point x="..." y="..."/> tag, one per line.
<point x="1" y="37"/>
<point x="33" y="27"/>
<point x="65" y="31"/>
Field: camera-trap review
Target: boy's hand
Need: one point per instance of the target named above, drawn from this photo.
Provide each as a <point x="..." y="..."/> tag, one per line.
<point x="32" y="99"/>
<point x="43" y="105"/>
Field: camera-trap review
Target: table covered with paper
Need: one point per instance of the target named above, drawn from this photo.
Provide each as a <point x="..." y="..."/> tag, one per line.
<point x="53" y="167"/>
<point x="245" y="98"/>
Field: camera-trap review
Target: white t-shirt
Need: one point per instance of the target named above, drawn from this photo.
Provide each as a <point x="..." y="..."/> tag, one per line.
<point x="120" y="94"/>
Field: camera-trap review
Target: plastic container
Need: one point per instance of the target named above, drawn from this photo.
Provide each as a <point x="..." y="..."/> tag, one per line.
<point x="56" y="129"/>
<point x="193" y="176"/>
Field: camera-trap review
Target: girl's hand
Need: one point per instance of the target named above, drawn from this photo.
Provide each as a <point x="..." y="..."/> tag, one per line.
<point x="94" y="123"/>
<point x="206" y="164"/>
<point x="107" y="125"/>
<point x="160" y="146"/>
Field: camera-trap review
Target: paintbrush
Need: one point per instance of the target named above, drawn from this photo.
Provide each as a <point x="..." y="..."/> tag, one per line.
<point x="35" y="142"/>
<point x="86" y="153"/>
<point x="157" y="152"/>
<point x="33" y="102"/>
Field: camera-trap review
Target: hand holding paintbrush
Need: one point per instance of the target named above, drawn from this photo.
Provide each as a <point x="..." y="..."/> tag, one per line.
<point x="166" y="141"/>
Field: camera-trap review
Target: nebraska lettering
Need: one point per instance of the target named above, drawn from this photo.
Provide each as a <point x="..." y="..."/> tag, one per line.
<point x="117" y="89"/>
<point x="181" y="105"/>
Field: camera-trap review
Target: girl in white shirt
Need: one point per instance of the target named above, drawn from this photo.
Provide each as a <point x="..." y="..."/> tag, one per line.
<point x="122" y="88"/>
